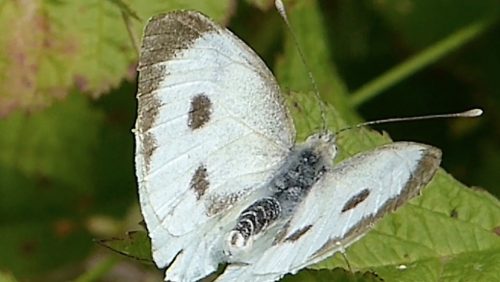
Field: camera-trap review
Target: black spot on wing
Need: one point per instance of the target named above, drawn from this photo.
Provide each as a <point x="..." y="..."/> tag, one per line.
<point x="426" y="168"/>
<point x="199" y="113"/>
<point x="298" y="233"/>
<point x="356" y="200"/>
<point x="199" y="182"/>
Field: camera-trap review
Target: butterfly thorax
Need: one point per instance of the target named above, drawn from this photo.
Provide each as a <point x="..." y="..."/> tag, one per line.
<point x="304" y="166"/>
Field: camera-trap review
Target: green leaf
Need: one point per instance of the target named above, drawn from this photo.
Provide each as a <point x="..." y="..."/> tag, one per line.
<point x="306" y="22"/>
<point x="332" y="275"/>
<point x="53" y="144"/>
<point x="262" y="4"/>
<point x="428" y="238"/>
<point x="57" y="168"/>
<point x="30" y="247"/>
<point x="135" y="244"/>
<point x="7" y="277"/>
<point x="45" y="174"/>
<point x="51" y="47"/>
<point x="431" y="237"/>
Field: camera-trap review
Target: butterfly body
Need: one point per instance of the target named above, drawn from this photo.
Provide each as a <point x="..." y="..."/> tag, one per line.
<point x="220" y="177"/>
<point x="304" y="166"/>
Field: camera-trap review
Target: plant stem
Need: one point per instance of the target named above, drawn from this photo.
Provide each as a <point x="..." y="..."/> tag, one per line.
<point x="98" y="271"/>
<point x="419" y="61"/>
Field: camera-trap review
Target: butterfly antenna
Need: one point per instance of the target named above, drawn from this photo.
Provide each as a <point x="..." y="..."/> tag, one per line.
<point x="281" y="9"/>
<point x="467" y="114"/>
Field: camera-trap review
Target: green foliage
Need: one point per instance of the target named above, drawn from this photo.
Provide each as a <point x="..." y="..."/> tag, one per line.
<point x="46" y="167"/>
<point x="332" y="275"/>
<point x="135" y="245"/>
<point x="51" y="47"/>
<point x="7" y="277"/>
<point x="429" y="238"/>
<point x="66" y="160"/>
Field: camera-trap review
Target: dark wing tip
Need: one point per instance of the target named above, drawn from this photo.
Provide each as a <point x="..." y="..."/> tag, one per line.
<point x="168" y="33"/>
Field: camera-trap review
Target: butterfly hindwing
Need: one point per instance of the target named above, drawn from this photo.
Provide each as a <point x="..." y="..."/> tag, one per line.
<point x="341" y="207"/>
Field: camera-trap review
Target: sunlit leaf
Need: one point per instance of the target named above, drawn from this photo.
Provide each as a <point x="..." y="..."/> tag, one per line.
<point x="52" y="47"/>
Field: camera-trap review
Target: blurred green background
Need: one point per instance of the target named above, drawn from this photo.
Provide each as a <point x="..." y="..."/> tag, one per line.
<point x="67" y="107"/>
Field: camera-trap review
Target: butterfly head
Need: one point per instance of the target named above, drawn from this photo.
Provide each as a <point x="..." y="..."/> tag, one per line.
<point x="323" y="143"/>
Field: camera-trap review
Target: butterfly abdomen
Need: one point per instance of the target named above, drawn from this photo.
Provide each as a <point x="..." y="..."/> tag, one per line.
<point x="255" y="218"/>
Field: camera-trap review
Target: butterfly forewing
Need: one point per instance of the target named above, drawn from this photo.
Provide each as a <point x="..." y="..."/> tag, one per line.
<point x="211" y="128"/>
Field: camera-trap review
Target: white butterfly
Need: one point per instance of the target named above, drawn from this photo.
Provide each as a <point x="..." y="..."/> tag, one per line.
<point x="221" y="179"/>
